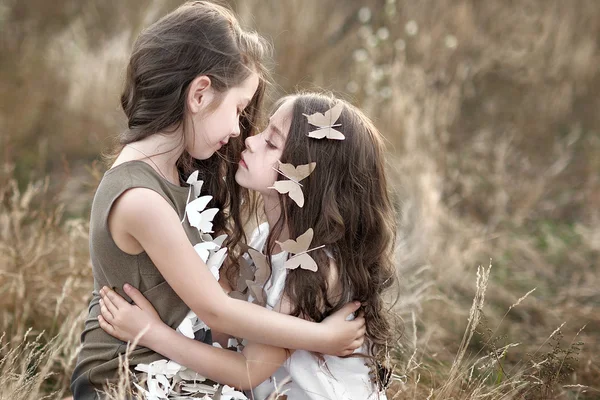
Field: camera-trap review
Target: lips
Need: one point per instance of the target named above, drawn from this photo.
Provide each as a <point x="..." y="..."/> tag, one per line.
<point x="243" y="163"/>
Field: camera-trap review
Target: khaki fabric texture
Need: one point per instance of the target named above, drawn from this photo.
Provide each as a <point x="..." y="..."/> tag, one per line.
<point x="98" y="361"/>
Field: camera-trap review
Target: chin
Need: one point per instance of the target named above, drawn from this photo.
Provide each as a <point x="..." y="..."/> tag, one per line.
<point x="238" y="179"/>
<point x="202" y="155"/>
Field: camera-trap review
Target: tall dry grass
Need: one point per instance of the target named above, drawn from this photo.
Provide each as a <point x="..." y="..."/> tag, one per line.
<point x="490" y="110"/>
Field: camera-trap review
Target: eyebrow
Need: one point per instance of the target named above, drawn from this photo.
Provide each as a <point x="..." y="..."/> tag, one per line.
<point x="276" y="130"/>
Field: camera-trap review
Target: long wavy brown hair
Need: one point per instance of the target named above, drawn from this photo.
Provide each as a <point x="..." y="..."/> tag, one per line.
<point x="198" y="38"/>
<point x="347" y="204"/>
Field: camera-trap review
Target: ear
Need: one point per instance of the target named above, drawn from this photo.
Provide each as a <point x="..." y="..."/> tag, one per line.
<point x="200" y="93"/>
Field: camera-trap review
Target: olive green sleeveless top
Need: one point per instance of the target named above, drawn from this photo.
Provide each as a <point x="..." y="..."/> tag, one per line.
<point x="98" y="361"/>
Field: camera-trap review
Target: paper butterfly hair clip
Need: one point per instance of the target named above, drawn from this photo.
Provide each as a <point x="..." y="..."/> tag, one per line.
<point x="293" y="187"/>
<point x="300" y="249"/>
<point x="325" y="123"/>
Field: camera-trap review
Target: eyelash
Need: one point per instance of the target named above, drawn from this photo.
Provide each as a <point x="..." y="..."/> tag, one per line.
<point x="270" y="145"/>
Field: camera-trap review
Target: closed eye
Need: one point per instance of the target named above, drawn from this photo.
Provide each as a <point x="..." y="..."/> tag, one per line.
<point x="270" y="144"/>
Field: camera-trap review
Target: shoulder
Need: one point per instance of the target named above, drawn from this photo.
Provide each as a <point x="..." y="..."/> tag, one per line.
<point x="139" y="202"/>
<point x="147" y="216"/>
<point x="132" y="172"/>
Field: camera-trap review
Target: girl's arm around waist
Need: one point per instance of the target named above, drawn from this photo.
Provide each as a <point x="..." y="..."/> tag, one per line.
<point x="154" y="224"/>
<point x="243" y="370"/>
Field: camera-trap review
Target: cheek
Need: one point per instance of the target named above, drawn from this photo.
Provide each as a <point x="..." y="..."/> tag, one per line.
<point x="266" y="175"/>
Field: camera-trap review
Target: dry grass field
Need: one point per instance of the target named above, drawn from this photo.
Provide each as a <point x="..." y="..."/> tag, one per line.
<point x="492" y="116"/>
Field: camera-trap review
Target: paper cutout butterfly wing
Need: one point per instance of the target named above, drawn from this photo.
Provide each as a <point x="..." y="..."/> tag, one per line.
<point x="329" y="133"/>
<point x="193" y="181"/>
<point x="327" y="118"/>
<point x="299" y="247"/>
<point x="215" y="261"/>
<point x="246" y="273"/>
<point x="238" y="295"/>
<point x="201" y="220"/>
<point x="292" y="189"/>
<point x="324" y="123"/>
<point x="257" y="292"/>
<point x="297" y="173"/>
<point x="261" y="273"/>
<point x="204" y="249"/>
<point x="292" y="186"/>
<point x="304" y="261"/>
<point x="301" y="244"/>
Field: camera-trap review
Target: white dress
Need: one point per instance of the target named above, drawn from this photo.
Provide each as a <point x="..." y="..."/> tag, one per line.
<point x="332" y="378"/>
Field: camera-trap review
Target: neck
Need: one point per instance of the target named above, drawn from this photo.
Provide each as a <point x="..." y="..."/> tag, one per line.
<point x="272" y="209"/>
<point x="161" y="151"/>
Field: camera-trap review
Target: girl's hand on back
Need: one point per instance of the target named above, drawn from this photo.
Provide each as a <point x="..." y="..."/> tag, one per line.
<point x="126" y="321"/>
<point x="346" y="336"/>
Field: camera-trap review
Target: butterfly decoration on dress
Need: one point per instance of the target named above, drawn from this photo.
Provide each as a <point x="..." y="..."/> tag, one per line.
<point x="199" y="217"/>
<point x="195" y="184"/>
<point x="209" y="246"/>
<point x="258" y="293"/>
<point x="211" y="252"/>
<point x="246" y="273"/>
<point x="300" y="249"/>
<point x="293" y="187"/>
<point x="195" y="187"/>
<point x="166" y="379"/>
<point x="262" y="271"/>
<point x="325" y="123"/>
<point x="253" y="274"/>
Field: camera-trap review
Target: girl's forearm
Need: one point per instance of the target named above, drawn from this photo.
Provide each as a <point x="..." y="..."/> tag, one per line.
<point x="223" y="366"/>
<point x="257" y="324"/>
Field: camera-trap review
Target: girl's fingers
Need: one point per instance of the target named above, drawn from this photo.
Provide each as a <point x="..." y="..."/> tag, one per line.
<point x="110" y="305"/>
<point x="106" y="327"/>
<point x="361" y="332"/>
<point x="137" y="297"/>
<point x="359" y="342"/>
<point x="116" y="298"/>
<point x="355" y="345"/>
<point x="349" y="308"/>
<point x="360" y="321"/>
<point x="105" y="312"/>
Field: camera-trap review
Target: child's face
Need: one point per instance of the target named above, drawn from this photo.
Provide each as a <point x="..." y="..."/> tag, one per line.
<point x="212" y="130"/>
<point x="263" y="151"/>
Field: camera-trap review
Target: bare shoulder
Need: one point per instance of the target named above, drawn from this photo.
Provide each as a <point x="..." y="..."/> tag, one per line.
<point x="138" y="202"/>
<point x="137" y="212"/>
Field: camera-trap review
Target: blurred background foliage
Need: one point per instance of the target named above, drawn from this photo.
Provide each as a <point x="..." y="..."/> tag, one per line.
<point x="491" y="112"/>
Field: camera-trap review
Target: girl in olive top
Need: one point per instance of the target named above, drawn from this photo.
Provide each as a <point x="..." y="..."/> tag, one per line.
<point x="194" y="81"/>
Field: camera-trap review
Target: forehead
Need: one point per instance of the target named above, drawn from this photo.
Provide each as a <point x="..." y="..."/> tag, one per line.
<point x="282" y="117"/>
<point x="248" y="87"/>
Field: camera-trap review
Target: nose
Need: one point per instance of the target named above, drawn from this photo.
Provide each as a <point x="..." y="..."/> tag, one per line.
<point x="236" y="130"/>
<point x="247" y="142"/>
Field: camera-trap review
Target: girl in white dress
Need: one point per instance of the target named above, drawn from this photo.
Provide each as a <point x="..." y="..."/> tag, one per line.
<point x="329" y="235"/>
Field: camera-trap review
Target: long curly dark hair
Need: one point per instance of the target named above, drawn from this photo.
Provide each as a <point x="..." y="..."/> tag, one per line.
<point x="347" y="204"/>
